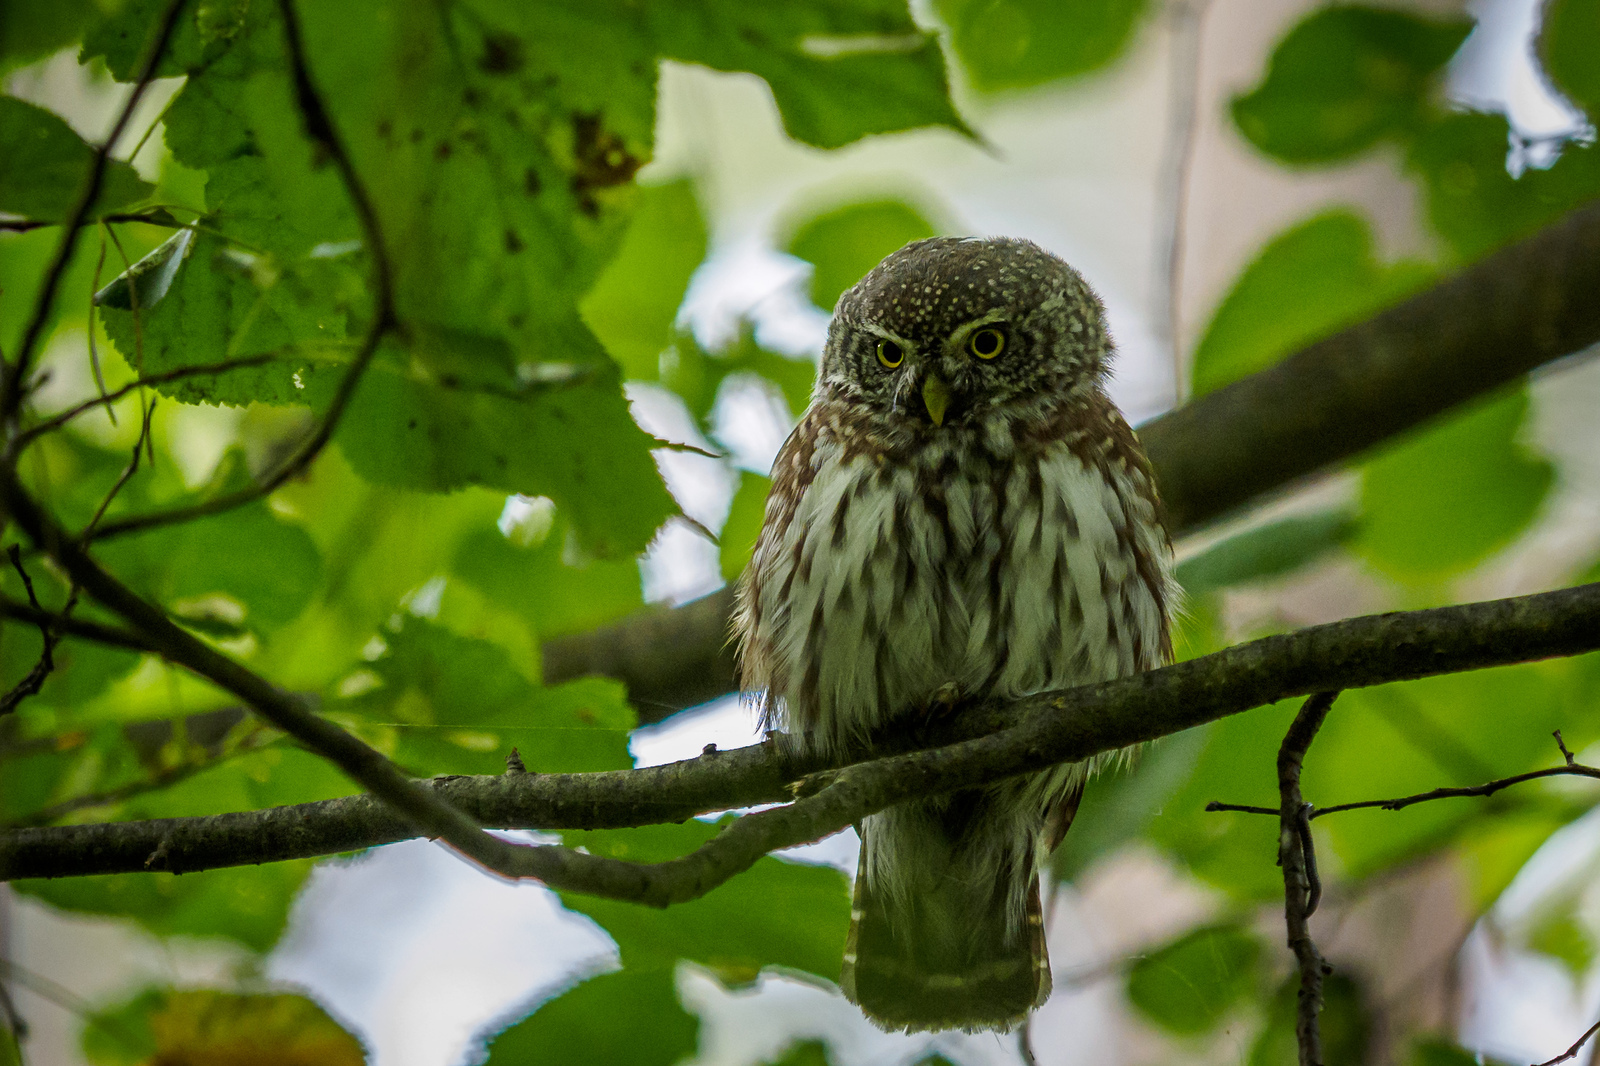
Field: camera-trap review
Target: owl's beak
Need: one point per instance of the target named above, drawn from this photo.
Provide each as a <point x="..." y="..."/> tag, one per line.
<point x="936" y="395"/>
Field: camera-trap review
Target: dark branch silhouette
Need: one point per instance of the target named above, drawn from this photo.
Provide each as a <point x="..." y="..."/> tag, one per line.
<point x="991" y="741"/>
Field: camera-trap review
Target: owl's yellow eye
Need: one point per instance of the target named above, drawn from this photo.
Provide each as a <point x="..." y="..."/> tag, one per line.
<point x="890" y="354"/>
<point x="987" y="343"/>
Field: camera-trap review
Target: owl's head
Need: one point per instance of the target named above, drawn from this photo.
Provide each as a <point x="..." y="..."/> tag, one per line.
<point x="949" y="331"/>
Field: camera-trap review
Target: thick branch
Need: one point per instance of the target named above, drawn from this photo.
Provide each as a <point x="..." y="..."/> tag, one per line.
<point x="1513" y="311"/>
<point x="1055" y="727"/>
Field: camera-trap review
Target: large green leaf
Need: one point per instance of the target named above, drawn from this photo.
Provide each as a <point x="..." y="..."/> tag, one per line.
<point x="627" y="1018"/>
<point x="1014" y="44"/>
<point x="203" y="1025"/>
<point x="1344" y="78"/>
<point x="553" y="587"/>
<point x="737" y="541"/>
<point x="1443" y="500"/>
<point x="1306" y="284"/>
<point x="844" y="243"/>
<point x="1190" y="985"/>
<point x="1475" y="203"/>
<point x="1568" y="40"/>
<point x="777" y="913"/>
<point x="43" y="164"/>
<point x="574" y="442"/>
<point x="1266" y="552"/>
<point x="459" y="705"/>
<point x="633" y="305"/>
<point x="248" y="904"/>
<point x="32" y="29"/>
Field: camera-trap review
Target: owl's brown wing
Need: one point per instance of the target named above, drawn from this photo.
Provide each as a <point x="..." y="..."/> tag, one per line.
<point x="792" y="473"/>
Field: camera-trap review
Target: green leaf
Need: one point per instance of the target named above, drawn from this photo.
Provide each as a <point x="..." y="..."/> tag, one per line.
<point x="1118" y="805"/>
<point x="32" y="29"/>
<point x="43" y="164"/>
<point x="737" y="540"/>
<point x="248" y="904"/>
<point x="1475" y="203"/>
<point x="219" y="1028"/>
<point x="633" y="305"/>
<point x="1306" y="284"/>
<point x="548" y="582"/>
<point x="1345" y="78"/>
<point x="803" y="1053"/>
<point x="1442" y="1051"/>
<point x="696" y="374"/>
<point x="843" y="244"/>
<point x="122" y="39"/>
<point x="776" y="913"/>
<point x="1568" y="37"/>
<point x="459" y="706"/>
<point x="573" y="442"/>
<point x="1266" y="552"/>
<point x="1562" y="935"/>
<point x="1190" y="985"/>
<point x="838" y="72"/>
<point x="200" y="301"/>
<point x="1016" y="44"/>
<point x="627" y="1018"/>
<point x="1346" y="1026"/>
<point x="1439" y="502"/>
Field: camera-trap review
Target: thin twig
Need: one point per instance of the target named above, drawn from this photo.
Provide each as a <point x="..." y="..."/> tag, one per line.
<point x="319" y="126"/>
<point x="127" y="474"/>
<point x="95" y="632"/>
<point x="1301" y="889"/>
<point x="1187" y="19"/>
<point x="1488" y="788"/>
<point x="31" y="434"/>
<point x="30" y="685"/>
<point x="11" y="391"/>
<point x="150" y="216"/>
<point x="1572" y="1052"/>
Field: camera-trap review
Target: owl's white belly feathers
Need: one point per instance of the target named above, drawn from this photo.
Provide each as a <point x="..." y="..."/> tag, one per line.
<point x="1002" y="574"/>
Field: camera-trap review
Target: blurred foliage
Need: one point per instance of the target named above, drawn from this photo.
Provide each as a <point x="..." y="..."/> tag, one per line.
<point x="396" y="584"/>
<point x="844" y="243"/>
<point x="203" y="1027"/>
<point x="1017" y="44"/>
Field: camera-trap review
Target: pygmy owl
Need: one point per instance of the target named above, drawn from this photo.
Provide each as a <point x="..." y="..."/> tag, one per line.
<point x="961" y="514"/>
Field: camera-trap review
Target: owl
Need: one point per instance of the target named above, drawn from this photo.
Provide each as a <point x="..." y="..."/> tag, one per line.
<point x="962" y="514"/>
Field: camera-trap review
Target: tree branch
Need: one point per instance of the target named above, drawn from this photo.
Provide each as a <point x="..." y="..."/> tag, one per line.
<point x="96" y="632"/>
<point x="1517" y="309"/>
<point x="1301" y="888"/>
<point x="1572" y="1052"/>
<point x="996" y="741"/>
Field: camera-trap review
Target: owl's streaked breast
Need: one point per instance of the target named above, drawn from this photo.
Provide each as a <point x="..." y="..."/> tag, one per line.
<point x="1004" y="567"/>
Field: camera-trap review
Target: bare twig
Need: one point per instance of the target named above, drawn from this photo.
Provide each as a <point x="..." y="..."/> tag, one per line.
<point x="95" y="632"/>
<point x="1572" y="768"/>
<point x="1301" y="889"/>
<point x="319" y="126"/>
<point x="1572" y="1052"/>
<point x="31" y="684"/>
<point x="55" y="422"/>
<point x="1187" y="17"/>
<point x="150" y="216"/>
<point x="127" y="474"/>
<point x="11" y="385"/>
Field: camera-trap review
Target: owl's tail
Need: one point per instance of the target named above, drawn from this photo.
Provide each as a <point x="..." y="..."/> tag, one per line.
<point x="940" y="961"/>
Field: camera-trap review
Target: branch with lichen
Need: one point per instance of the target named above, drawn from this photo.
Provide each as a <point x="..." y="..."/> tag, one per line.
<point x="990" y="742"/>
